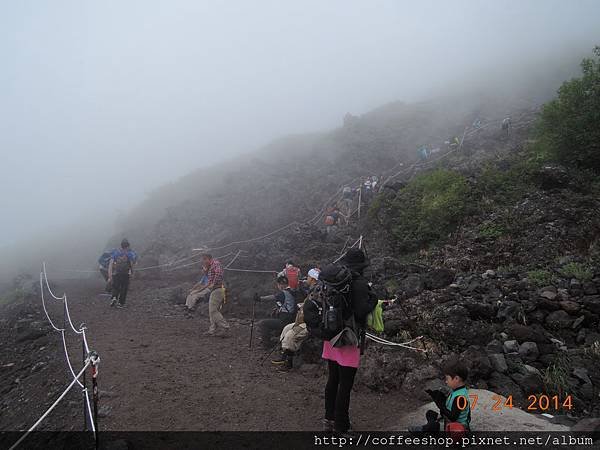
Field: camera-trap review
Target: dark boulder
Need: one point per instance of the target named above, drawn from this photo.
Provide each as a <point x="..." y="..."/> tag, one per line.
<point x="558" y="319"/>
<point x="438" y="278"/>
<point x="523" y="333"/>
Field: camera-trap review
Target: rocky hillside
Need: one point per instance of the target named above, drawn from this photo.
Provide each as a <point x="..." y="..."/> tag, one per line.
<point x="291" y="179"/>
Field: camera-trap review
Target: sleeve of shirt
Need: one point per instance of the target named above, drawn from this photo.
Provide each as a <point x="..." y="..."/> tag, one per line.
<point x="280" y="297"/>
<point x="451" y="414"/>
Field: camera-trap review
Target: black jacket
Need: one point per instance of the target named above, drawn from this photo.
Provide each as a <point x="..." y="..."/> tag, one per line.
<point x="362" y="297"/>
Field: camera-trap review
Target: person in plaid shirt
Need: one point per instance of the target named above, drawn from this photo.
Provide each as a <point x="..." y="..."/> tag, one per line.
<point x="217" y="294"/>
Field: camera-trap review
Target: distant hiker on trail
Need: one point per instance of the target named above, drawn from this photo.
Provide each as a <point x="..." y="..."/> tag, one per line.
<point x="120" y="270"/>
<point x="477" y="124"/>
<point x="332" y="218"/>
<point x="374" y="182"/>
<point x="283" y="313"/>
<point x="507" y="125"/>
<point x="455" y="408"/>
<point x="292" y="273"/>
<point x="293" y="334"/>
<point x="216" y="287"/>
<point x="423" y="153"/>
<point x="338" y="316"/>
<point x="199" y="291"/>
<point x="347" y="201"/>
<point x="454" y="142"/>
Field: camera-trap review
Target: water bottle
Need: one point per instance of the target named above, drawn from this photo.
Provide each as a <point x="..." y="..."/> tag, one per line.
<point x="332" y="319"/>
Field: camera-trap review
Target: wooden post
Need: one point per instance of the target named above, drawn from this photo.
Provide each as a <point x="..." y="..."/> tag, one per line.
<point x="359" y="198"/>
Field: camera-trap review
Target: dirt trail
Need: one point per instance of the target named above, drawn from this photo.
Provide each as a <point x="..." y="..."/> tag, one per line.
<point x="162" y="373"/>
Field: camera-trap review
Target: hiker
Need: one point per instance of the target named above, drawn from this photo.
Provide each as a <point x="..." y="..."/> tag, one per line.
<point x="332" y="218"/>
<point x="347" y="201"/>
<point x="338" y="316"/>
<point x="292" y="273"/>
<point x="477" y="124"/>
<point x="455" y="408"/>
<point x="454" y="142"/>
<point x="120" y="270"/>
<point x="103" y="263"/>
<point x="283" y="313"/>
<point x="293" y="334"/>
<point x="374" y="182"/>
<point x="199" y="291"/>
<point x="507" y="125"/>
<point x="423" y="153"/>
<point x="216" y="286"/>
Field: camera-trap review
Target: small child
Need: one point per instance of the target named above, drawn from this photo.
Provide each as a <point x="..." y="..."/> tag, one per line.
<point x="456" y="407"/>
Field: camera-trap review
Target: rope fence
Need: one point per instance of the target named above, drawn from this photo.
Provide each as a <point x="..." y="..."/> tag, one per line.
<point x="90" y="359"/>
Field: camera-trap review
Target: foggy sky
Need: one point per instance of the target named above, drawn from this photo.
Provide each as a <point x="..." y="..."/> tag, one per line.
<point x="102" y="101"/>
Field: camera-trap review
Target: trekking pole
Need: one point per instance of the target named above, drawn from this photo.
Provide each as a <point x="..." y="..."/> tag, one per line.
<point x="271" y="351"/>
<point x="95" y="360"/>
<point x="256" y="298"/>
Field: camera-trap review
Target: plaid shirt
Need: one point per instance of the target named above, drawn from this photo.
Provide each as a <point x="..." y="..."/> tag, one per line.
<point x="215" y="273"/>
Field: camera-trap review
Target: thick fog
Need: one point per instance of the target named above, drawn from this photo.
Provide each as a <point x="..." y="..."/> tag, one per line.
<point x="103" y="101"/>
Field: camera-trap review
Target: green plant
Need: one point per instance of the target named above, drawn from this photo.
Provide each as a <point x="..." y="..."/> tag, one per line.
<point x="555" y="376"/>
<point x="16" y="295"/>
<point x="569" y="126"/>
<point x="540" y="277"/>
<point x="427" y="209"/>
<point x="576" y="270"/>
<point x="491" y="230"/>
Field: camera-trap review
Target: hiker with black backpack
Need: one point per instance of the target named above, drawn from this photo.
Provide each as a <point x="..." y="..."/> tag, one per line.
<point x="120" y="270"/>
<point x="338" y="316"/>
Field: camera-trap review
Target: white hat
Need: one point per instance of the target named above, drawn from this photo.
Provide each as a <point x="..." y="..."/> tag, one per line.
<point x="314" y="273"/>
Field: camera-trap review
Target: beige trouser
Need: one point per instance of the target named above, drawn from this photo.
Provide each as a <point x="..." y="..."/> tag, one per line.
<point x="292" y="336"/>
<point x="194" y="296"/>
<point x="214" y="303"/>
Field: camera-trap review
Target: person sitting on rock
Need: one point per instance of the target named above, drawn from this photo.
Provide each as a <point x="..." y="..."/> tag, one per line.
<point x="455" y="408"/>
<point x="199" y="291"/>
<point x="293" y="334"/>
<point x="283" y="313"/>
<point x="292" y="273"/>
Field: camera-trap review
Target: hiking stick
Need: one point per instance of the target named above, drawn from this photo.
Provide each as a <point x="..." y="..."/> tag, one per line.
<point x="270" y="353"/>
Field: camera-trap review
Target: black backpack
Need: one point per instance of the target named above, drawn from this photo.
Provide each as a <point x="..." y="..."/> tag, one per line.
<point x="328" y="306"/>
<point x="122" y="264"/>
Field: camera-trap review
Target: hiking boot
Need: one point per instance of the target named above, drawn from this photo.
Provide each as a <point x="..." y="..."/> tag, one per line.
<point x="279" y="359"/>
<point x="121" y="305"/>
<point x="210" y="332"/>
<point x="113" y="302"/>
<point x="328" y="425"/>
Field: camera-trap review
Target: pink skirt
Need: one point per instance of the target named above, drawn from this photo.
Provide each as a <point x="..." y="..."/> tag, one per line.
<point x="348" y="356"/>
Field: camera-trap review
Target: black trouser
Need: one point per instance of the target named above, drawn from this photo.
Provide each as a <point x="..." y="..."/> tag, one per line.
<point x="120" y="285"/>
<point x="272" y="327"/>
<point x="337" y="394"/>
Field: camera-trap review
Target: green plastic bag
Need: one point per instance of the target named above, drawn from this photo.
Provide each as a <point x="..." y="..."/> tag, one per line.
<point x="375" y="318"/>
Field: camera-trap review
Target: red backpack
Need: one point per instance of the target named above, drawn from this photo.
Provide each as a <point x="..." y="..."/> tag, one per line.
<point x="293" y="275"/>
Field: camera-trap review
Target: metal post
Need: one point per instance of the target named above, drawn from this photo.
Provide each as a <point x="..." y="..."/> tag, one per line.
<point x="95" y="399"/>
<point x="84" y="387"/>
